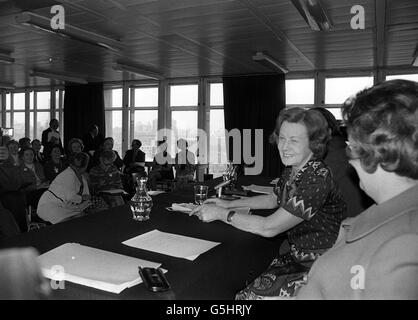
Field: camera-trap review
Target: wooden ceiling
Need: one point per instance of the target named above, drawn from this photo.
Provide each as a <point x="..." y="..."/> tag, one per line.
<point x="188" y="38"/>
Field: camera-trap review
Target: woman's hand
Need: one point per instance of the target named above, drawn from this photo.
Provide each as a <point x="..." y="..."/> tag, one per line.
<point x="210" y="212"/>
<point x="218" y="202"/>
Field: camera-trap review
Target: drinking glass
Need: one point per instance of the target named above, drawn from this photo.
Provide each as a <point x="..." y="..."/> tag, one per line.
<point x="200" y="194"/>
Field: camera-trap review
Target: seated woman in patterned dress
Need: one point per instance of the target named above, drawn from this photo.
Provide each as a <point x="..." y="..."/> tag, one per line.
<point x="309" y="205"/>
<point x="106" y="176"/>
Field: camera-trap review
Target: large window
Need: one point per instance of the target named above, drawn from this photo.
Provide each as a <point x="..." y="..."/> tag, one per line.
<point x="113" y="116"/>
<point x="300" y="92"/>
<point x="184" y="114"/>
<point x="412" y="77"/>
<point x="217" y="147"/>
<point x="144" y="113"/>
<point x="338" y="90"/>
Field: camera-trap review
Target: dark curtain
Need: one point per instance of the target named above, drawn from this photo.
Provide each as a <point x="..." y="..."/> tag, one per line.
<point x="83" y="107"/>
<point x="254" y="102"/>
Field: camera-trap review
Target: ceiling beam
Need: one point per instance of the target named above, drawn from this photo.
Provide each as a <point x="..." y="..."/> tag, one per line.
<point x="277" y="33"/>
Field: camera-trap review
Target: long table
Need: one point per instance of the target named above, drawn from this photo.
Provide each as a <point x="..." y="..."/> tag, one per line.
<point x="216" y="274"/>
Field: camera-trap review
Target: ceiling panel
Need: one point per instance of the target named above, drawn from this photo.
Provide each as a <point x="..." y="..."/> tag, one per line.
<point x="187" y="38"/>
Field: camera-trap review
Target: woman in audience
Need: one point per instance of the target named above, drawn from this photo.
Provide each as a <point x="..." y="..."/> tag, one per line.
<point x="33" y="176"/>
<point x="107" y="146"/>
<point x="68" y="195"/>
<point x="309" y="205"/>
<point x="14" y="159"/>
<point x="55" y="165"/>
<point x="184" y="163"/>
<point x="36" y="146"/>
<point x="106" y="176"/>
<point x="162" y="168"/>
<point x="75" y="146"/>
<point x="376" y="255"/>
<point x="134" y="159"/>
<point x="344" y="174"/>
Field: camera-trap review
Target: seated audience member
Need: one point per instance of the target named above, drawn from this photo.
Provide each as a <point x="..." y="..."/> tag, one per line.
<point x="184" y="163"/>
<point x="13" y="148"/>
<point x="11" y="196"/>
<point x="92" y="140"/>
<point x="55" y="165"/>
<point x="24" y="143"/>
<point x="75" y="145"/>
<point x="134" y="159"/>
<point x="68" y="195"/>
<point x="107" y="146"/>
<point x="162" y="168"/>
<point x="106" y="176"/>
<point x="376" y="254"/>
<point x="344" y="174"/>
<point x="309" y="206"/>
<point x="51" y="137"/>
<point x="33" y="174"/>
<point x="39" y="156"/>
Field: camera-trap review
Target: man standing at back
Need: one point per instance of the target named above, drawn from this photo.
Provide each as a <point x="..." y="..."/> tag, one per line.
<point x="51" y="137"/>
<point x="92" y="140"/>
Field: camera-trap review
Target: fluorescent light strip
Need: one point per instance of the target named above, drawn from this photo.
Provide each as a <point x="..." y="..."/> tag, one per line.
<point x="314" y="14"/>
<point x="43" y="23"/>
<point x="138" y="71"/>
<point x="7" y="86"/>
<point x="5" y="58"/>
<point x="260" y="56"/>
<point x="57" y="76"/>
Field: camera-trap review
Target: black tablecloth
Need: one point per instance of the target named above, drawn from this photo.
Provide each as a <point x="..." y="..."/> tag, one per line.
<point x="216" y="274"/>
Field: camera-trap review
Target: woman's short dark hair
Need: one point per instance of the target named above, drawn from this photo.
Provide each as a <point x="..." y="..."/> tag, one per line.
<point x="22" y="152"/>
<point x="75" y="140"/>
<point x="137" y="142"/>
<point x="315" y="124"/>
<point x="383" y="122"/>
<point x="55" y="146"/>
<point x="12" y="142"/>
<point x="79" y="160"/>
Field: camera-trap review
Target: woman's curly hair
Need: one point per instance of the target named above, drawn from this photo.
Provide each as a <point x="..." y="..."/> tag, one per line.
<point x="315" y="124"/>
<point x="383" y="123"/>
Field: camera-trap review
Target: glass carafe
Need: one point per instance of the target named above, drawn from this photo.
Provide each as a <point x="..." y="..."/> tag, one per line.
<point x="141" y="202"/>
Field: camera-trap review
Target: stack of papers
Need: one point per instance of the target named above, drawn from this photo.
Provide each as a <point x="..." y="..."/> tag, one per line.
<point x="183" y="207"/>
<point x="188" y="207"/>
<point x="259" y="189"/>
<point x="171" y="244"/>
<point x="92" y="267"/>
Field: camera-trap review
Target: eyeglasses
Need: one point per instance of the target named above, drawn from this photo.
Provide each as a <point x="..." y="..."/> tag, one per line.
<point x="351" y="152"/>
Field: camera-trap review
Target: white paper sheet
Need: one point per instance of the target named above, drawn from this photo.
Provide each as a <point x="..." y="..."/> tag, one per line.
<point x="92" y="267"/>
<point x="171" y="244"/>
<point x="259" y="189"/>
<point x="113" y="191"/>
<point x="155" y="192"/>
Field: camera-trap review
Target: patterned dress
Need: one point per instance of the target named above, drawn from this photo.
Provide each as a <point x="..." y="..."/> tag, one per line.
<point x="313" y="196"/>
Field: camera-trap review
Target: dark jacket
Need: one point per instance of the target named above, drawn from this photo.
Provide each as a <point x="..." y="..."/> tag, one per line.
<point x="128" y="159"/>
<point x="48" y="145"/>
<point x="92" y="144"/>
<point x="345" y="177"/>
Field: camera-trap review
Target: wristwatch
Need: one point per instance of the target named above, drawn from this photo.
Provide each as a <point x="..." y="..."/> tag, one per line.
<point x="230" y="215"/>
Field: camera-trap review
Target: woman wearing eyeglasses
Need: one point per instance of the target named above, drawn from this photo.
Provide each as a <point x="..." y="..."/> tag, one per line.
<point x="376" y="254"/>
<point x="309" y="206"/>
